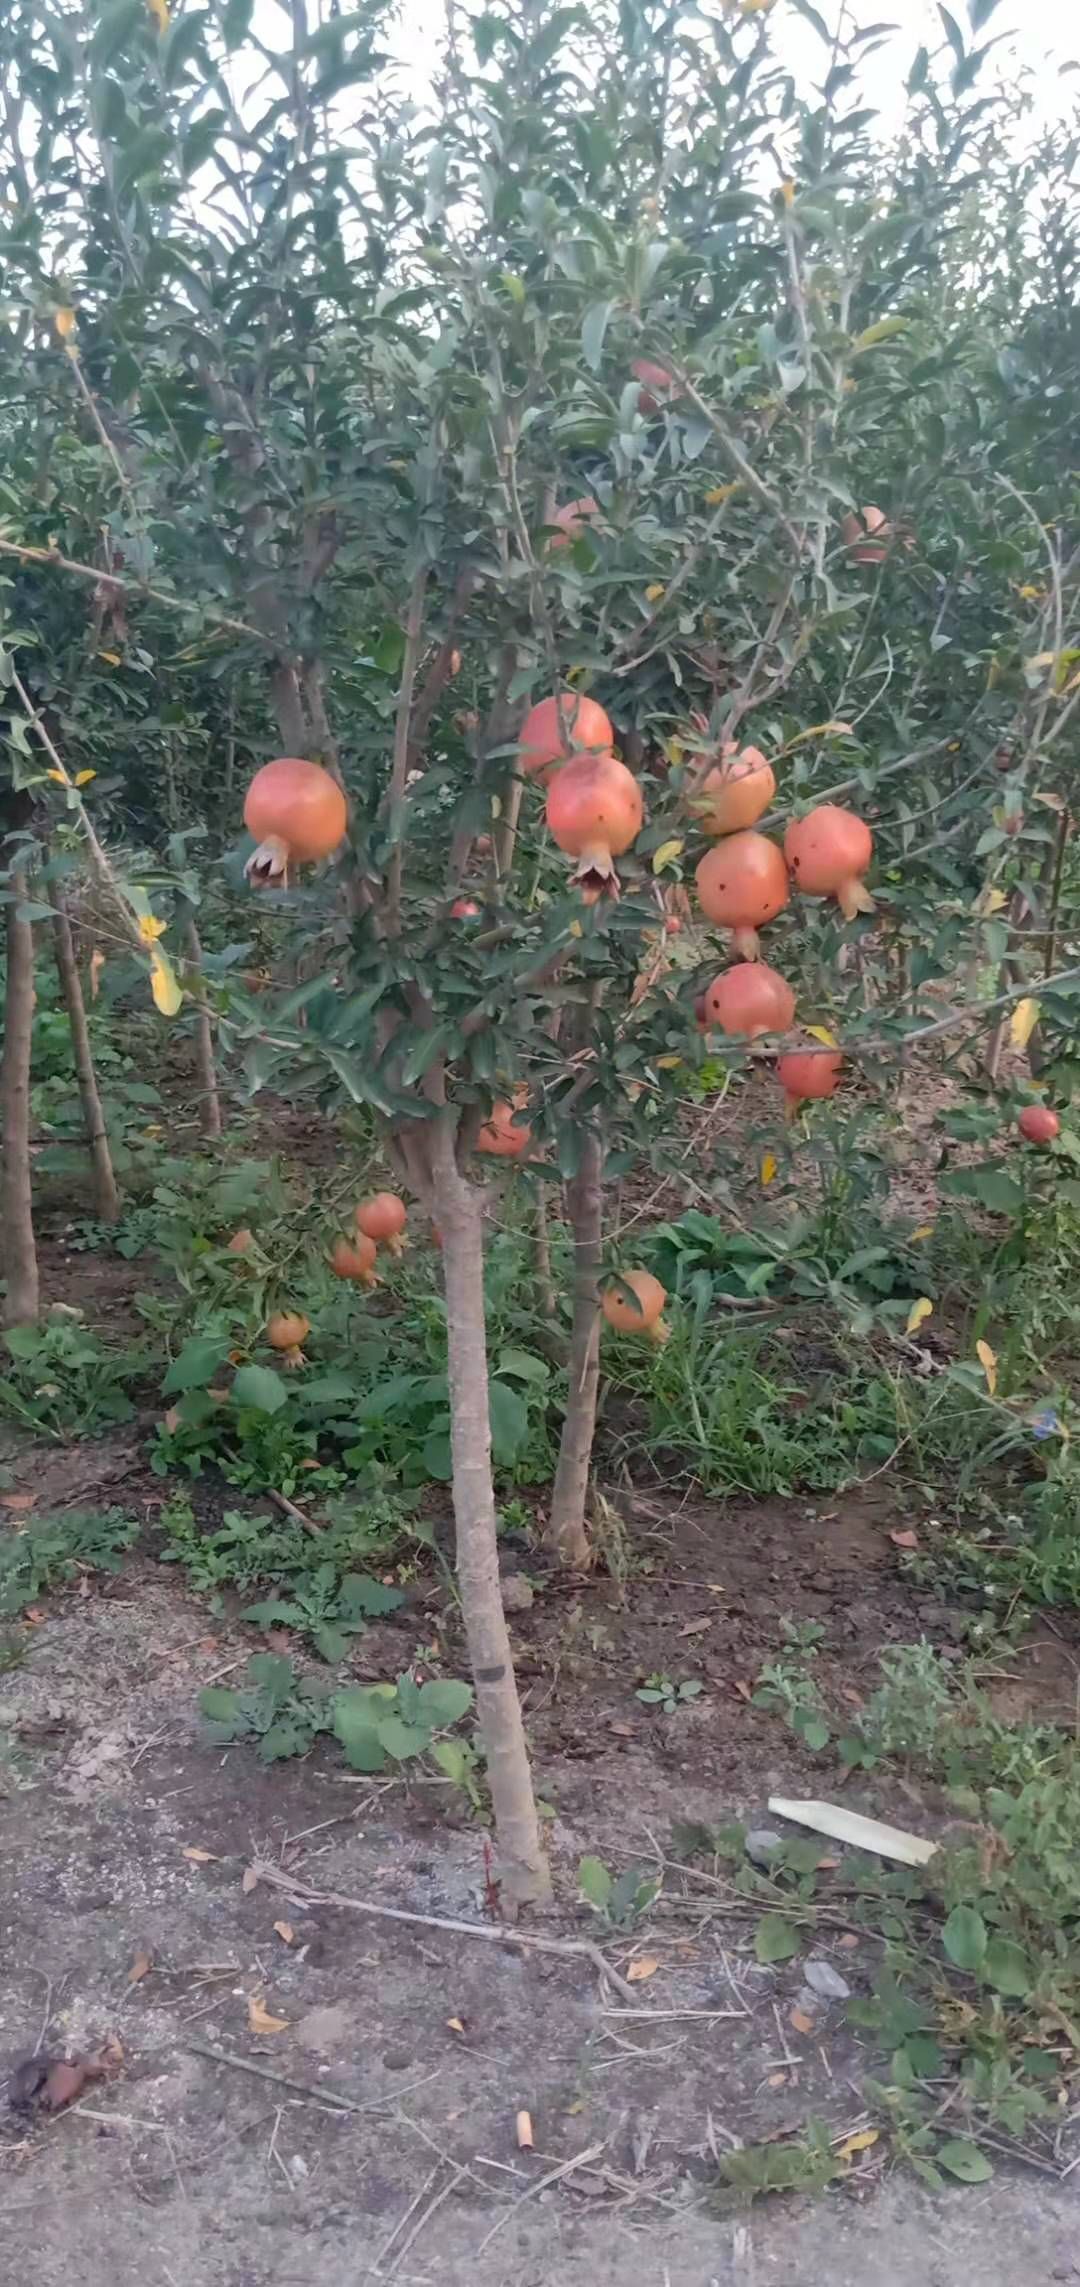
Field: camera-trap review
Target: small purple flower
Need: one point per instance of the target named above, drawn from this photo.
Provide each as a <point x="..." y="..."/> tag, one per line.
<point x="1046" y="1423"/>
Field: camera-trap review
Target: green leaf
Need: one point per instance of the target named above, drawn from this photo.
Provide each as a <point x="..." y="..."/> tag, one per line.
<point x="221" y="1706"/>
<point x="444" y="1701"/>
<point x="114" y="29"/>
<point x="964" y="2161"/>
<point x="401" y="1739"/>
<point x="1006" y="1967"/>
<point x="354" y="1726"/>
<point x="196" y="1364"/>
<point x="594" y="326"/>
<point x="260" y="1388"/>
<point x="595" y="1883"/>
<point x="509" y="1421"/>
<point x="775" y="1939"/>
<point x="989" y="1183"/>
<point x="521" y="1366"/>
<point x="964" y="1938"/>
<point x="360" y="1595"/>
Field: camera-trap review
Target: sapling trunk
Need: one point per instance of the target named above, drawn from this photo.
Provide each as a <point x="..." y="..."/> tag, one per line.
<point x="206" y="1069"/>
<point x="16" y="1199"/>
<point x="106" y="1195"/>
<point x="458" y="1205"/>
<point x="567" y="1533"/>
<point x="545" y="1284"/>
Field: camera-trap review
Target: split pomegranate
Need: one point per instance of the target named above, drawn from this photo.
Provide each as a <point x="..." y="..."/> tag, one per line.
<point x="354" y="1258"/>
<point x="241" y="1242"/>
<point x="543" y="745"/>
<point x="643" y="1315"/>
<point x="808" y="1073"/>
<point x="382" y="1219"/>
<point x="502" y="1137"/>
<point x="594" y="811"/>
<point x="297" y="814"/>
<point x="572" y="520"/>
<point x="741" y="884"/>
<point x="1039" y="1123"/>
<point x="750" y="999"/>
<point x="733" y="794"/>
<point x="827" y="852"/>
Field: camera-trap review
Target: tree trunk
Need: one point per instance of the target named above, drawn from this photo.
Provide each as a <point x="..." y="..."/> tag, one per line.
<point x="523" y="1867"/>
<point x="209" y="1100"/>
<point x="16" y="1200"/>
<point x="566" y="1532"/>
<point x="106" y="1195"/>
<point x="545" y="1284"/>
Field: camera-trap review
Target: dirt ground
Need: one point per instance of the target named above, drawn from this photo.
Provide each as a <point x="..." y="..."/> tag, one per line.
<point x="382" y="2145"/>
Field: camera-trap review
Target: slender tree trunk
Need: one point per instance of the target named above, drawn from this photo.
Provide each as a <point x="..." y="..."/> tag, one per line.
<point x="566" y="1532"/>
<point x="458" y="1206"/>
<point x="209" y="1100"/>
<point x="16" y="1199"/>
<point x="545" y="1284"/>
<point x="106" y="1195"/>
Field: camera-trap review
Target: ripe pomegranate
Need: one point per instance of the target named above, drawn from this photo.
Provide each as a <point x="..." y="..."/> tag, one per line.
<point x="741" y="884"/>
<point x="750" y="999"/>
<point x="464" y="909"/>
<point x="594" y="811"/>
<point x="297" y="814"/>
<point x="827" y="851"/>
<point x="808" y="1073"/>
<point x="656" y="383"/>
<point x="572" y="520"/>
<point x="866" y="533"/>
<point x="382" y="1219"/>
<point x="354" y="1258"/>
<point x="286" y="1330"/>
<point x="1039" y="1123"/>
<point x="502" y="1137"/>
<point x="542" y="746"/>
<point x="644" y="1315"/>
<point x="241" y="1243"/>
<point x="734" y="793"/>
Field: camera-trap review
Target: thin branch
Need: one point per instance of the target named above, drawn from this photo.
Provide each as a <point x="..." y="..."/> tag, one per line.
<point x="735" y="454"/>
<point x="414" y="632"/>
<point x="53" y="560"/>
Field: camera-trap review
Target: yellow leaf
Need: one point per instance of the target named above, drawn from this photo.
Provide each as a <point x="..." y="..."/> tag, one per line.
<point x="150" y="928"/>
<point x="925" y="1231"/>
<point x="860" y="2142"/>
<point x="768" y="1168"/>
<point x="645" y="1966"/>
<point x="1022" y="1022"/>
<point x="821" y="1032"/>
<point x="199" y="1857"/>
<point x="787" y="190"/>
<point x="112" y="658"/>
<point x="720" y="493"/>
<point x="1031" y="595"/>
<point x="65" y="322"/>
<point x="654" y="593"/>
<point x="160" y="12"/>
<point x="666" y="855"/>
<point x="83" y="777"/>
<point x="286" y="1932"/>
<point x="668" y="1063"/>
<point x="988" y="1361"/>
<point x="920" y="1310"/>
<point x="60" y="777"/>
<point x="1050" y="801"/>
<point x="163" y="984"/>
<point x="97" y="963"/>
<point x="575" y="929"/>
<point x="455" y="2024"/>
<point x="260" y="2020"/>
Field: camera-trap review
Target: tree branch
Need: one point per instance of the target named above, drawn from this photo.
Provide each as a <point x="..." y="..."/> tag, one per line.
<point x="414" y="632"/>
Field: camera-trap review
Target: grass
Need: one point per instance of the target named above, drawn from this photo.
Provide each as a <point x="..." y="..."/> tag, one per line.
<point x="51" y="1552"/>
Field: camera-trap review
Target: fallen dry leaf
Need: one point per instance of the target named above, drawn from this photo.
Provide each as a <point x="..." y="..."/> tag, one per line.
<point x="259" y="2018"/>
<point x="33" y="1616"/>
<point x="776" y="2080"/>
<point x="524" y="2129"/>
<point x="860" y="2142"/>
<point x="199" y="1857"/>
<point x="697" y="1627"/>
<point x="645" y="1966"/>
<point x="800" y="2020"/>
<point x="140" y="1968"/>
<point x="249" y="1881"/>
<point x="849" y="1941"/>
<point x="905" y="1538"/>
<point x="622" y="1730"/>
<point x="744" y="1690"/>
<point x="17" y="1500"/>
<point x="285" y="1932"/>
<point x="455" y="2024"/>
